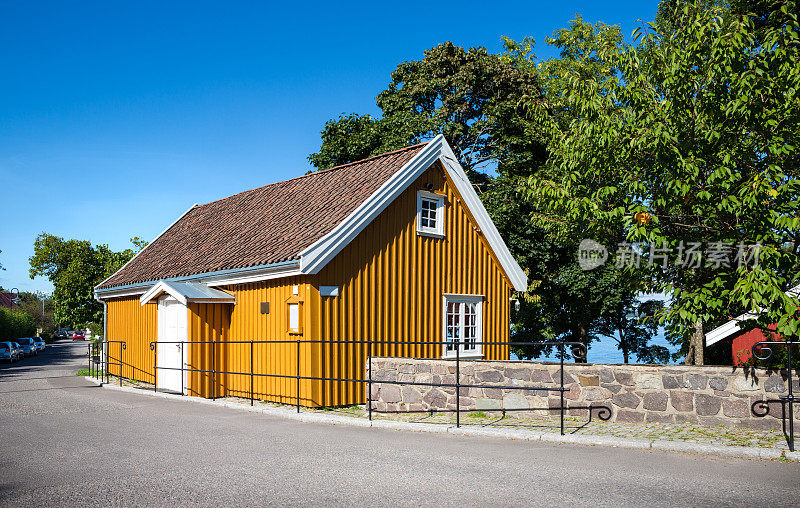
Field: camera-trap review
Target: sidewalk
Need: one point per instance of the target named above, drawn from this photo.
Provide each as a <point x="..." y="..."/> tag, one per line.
<point x="721" y="440"/>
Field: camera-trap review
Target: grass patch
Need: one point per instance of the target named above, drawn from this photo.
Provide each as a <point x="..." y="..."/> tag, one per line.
<point x="87" y="372"/>
<point x="477" y="414"/>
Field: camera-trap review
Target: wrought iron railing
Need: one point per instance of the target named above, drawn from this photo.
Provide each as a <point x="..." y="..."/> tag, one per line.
<point x="760" y="408"/>
<point x="576" y="349"/>
<point x="100" y="359"/>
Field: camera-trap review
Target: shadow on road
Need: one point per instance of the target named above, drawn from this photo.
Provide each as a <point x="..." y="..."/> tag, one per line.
<point x="58" y="355"/>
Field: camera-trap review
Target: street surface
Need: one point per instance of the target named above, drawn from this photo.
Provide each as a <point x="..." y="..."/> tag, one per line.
<point x="64" y="441"/>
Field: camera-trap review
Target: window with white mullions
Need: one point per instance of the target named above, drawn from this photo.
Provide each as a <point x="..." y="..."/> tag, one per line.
<point x="430" y="214"/>
<point x="462" y="325"/>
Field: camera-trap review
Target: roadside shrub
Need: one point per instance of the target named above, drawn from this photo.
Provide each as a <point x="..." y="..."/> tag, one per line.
<point x="15" y="324"/>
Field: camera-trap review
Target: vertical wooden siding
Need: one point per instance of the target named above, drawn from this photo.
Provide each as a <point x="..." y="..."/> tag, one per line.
<point x="391" y="284"/>
<point x="244" y="322"/>
<point x="137" y="325"/>
<point x="208" y="322"/>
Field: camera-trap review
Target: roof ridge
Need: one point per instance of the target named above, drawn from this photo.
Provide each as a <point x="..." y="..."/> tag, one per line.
<point x="317" y="172"/>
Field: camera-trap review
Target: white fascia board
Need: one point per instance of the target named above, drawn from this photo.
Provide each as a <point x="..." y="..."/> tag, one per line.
<point x="518" y="278"/>
<point x="154" y="239"/>
<point x="257" y="275"/>
<point x="211" y="279"/>
<point x="727" y="329"/>
<point x="162" y="287"/>
<point x="318" y="254"/>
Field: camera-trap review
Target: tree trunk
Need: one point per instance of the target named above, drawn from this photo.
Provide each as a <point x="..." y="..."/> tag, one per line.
<point x="696" y="344"/>
<point x="584" y="339"/>
<point x="623" y="344"/>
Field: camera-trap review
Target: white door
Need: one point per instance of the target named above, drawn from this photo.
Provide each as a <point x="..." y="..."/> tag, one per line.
<point x="172" y="326"/>
<point x="463" y="325"/>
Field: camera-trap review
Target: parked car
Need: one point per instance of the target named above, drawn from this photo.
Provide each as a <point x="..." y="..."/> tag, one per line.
<point x="28" y="346"/>
<point x="62" y="334"/>
<point x="18" y="348"/>
<point x="78" y="335"/>
<point x="8" y="352"/>
<point x="40" y="345"/>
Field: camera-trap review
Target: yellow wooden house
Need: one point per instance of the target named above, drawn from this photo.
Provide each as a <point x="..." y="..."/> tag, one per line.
<point x="395" y="248"/>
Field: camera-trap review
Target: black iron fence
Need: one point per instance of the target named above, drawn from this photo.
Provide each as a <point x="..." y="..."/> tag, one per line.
<point x="576" y="349"/>
<point x="763" y="350"/>
<point x="100" y="359"/>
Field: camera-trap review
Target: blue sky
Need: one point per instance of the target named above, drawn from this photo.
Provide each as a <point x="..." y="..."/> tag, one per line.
<point x="117" y="117"/>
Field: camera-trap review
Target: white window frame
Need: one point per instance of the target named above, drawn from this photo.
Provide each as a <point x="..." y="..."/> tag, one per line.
<point x="438" y="230"/>
<point x="463" y="299"/>
<point x="294" y="315"/>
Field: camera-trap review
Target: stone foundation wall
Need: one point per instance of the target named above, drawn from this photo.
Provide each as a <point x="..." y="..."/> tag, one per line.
<point x="634" y="393"/>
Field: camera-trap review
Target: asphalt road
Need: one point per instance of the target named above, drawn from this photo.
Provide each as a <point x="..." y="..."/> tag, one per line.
<point x="64" y="441"/>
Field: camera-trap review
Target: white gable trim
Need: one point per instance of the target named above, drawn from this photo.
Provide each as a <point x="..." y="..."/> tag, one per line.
<point x="154" y="239"/>
<point x="518" y="278"/>
<point x="186" y="292"/>
<point x="731" y="327"/>
<point x="317" y="255"/>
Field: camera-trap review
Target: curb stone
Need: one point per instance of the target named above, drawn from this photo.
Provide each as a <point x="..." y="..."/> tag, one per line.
<point x="515" y="434"/>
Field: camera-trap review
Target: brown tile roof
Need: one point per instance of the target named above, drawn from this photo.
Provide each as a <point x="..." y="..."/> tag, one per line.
<point x="265" y="225"/>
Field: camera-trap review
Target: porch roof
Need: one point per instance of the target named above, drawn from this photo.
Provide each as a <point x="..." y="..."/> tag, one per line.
<point x="186" y="292"/>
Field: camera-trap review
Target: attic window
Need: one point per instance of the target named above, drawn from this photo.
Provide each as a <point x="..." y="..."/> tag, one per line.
<point x="430" y="214"/>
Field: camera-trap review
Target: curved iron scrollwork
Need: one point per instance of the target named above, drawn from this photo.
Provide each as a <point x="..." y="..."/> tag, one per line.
<point x="152" y="346"/>
<point x="760" y="408"/>
<point x="576" y="349"/>
<point x="603" y="412"/>
<point x="763" y="350"/>
<point x="765" y="347"/>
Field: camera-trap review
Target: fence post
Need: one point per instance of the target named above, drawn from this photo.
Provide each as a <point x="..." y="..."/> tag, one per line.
<point x="561" y="408"/>
<point x="213" y="370"/>
<point x="182" y="363"/>
<point x="155" y="368"/>
<point x="458" y="386"/>
<point x="369" y="383"/>
<point x="251" y="372"/>
<point x="121" y="363"/>
<point x="298" y="375"/>
<point x="107" y="352"/>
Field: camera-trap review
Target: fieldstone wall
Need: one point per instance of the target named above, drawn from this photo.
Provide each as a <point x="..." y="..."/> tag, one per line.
<point x="634" y="393"/>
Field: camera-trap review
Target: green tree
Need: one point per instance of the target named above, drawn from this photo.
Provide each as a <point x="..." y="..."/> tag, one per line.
<point x="632" y="324"/>
<point x="477" y="100"/>
<point x="74" y="267"/>
<point x="469" y="95"/>
<point x="351" y="138"/>
<point x="696" y="142"/>
<point x="15" y="324"/>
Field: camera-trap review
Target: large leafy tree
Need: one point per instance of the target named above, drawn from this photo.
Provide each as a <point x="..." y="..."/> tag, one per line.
<point x="565" y="301"/>
<point x="477" y="100"/>
<point x="693" y="142"/>
<point x="469" y="95"/>
<point x="75" y="267"/>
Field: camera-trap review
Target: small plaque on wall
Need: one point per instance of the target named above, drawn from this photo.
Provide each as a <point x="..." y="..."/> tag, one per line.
<point x="265" y="307"/>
